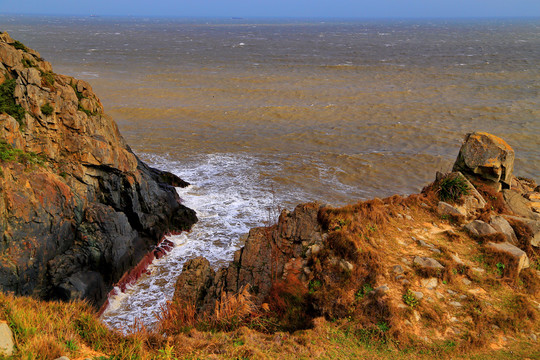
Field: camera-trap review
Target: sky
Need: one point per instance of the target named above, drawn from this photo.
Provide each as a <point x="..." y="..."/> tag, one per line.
<point x="278" y="8"/>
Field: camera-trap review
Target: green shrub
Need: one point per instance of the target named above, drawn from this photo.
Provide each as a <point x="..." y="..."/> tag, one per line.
<point x="9" y="153"/>
<point x="27" y="63"/>
<point x="452" y="188"/>
<point x="410" y="299"/>
<point x="7" y="101"/>
<point x="19" y="46"/>
<point x="47" y="78"/>
<point x="47" y="109"/>
<point x="77" y="92"/>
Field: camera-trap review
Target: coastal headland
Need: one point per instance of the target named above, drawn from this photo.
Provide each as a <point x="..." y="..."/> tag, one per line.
<point x="451" y="272"/>
<point x="78" y="207"/>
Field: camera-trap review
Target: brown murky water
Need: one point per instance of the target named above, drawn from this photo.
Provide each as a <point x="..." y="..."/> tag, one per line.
<point x="270" y="114"/>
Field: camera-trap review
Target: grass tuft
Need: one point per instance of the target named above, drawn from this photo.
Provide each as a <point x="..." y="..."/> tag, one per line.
<point x="452" y="188"/>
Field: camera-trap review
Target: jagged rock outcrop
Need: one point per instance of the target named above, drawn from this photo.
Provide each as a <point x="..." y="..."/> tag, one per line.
<point x="487" y="157"/>
<point x="269" y="254"/>
<point x="77" y="207"/>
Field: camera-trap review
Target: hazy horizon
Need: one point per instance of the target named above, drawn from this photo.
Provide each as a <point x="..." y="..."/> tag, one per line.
<point x="361" y="9"/>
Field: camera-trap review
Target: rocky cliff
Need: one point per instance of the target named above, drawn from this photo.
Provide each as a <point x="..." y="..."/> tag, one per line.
<point x="77" y="207"/>
<point x="456" y="263"/>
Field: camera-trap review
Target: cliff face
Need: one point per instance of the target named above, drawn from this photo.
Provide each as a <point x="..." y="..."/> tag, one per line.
<point x="77" y="207"/>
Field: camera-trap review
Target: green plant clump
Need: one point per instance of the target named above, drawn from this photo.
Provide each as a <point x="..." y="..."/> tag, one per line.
<point x="19" y="46"/>
<point x="7" y="101"/>
<point x="363" y="291"/>
<point x="9" y="153"/>
<point x="410" y="299"/>
<point x="48" y="78"/>
<point x="452" y="188"/>
<point x="27" y="63"/>
<point x="47" y="109"/>
<point x="79" y="94"/>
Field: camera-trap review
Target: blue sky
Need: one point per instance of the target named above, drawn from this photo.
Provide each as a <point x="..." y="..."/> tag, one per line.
<point x="278" y="8"/>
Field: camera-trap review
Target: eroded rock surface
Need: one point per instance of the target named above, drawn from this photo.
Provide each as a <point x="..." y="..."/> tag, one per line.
<point x="488" y="157"/>
<point x="77" y="206"/>
<point x="269" y="254"/>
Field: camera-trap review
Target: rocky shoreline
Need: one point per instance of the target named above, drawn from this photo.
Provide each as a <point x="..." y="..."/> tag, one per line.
<point x="457" y="264"/>
<point x="377" y="260"/>
<point x="78" y="208"/>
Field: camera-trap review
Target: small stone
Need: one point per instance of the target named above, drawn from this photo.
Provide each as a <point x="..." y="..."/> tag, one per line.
<point x="408" y="217"/>
<point x="478" y="270"/>
<point x="405" y="282"/>
<point x="444" y="208"/>
<point x="315" y="249"/>
<point x="439" y="295"/>
<point x="430" y="283"/>
<point x="435" y="250"/>
<point x="427" y="262"/>
<point x="416" y="315"/>
<point x="462" y="297"/>
<point x="466" y="281"/>
<point x="345" y="265"/>
<point x="406" y="261"/>
<point x="418" y="295"/>
<point x="62" y="358"/>
<point x="398" y="269"/>
<point x="456" y="258"/>
<point x="453" y="319"/>
<point x="451" y="292"/>
<point x="407" y="322"/>
<point x="382" y="288"/>
<point x="6" y="340"/>
<point x="477" y="291"/>
<point x="307" y="270"/>
<point x="399" y="277"/>
<point x="480" y="228"/>
<point x="402" y="306"/>
<point x="455" y="303"/>
<point x="533" y="336"/>
<point x="495" y="327"/>
<point x="399" y="215"/>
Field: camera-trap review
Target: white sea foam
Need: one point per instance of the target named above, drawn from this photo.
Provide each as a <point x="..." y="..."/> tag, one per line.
<point x="229" y="199"/>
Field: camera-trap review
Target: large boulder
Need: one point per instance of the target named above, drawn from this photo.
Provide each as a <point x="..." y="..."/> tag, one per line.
<point x="486" y="157"/>
<point x="77" y="207"/>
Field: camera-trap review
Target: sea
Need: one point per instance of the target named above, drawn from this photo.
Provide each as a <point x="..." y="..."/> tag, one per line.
<point x="260" y="115"/>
